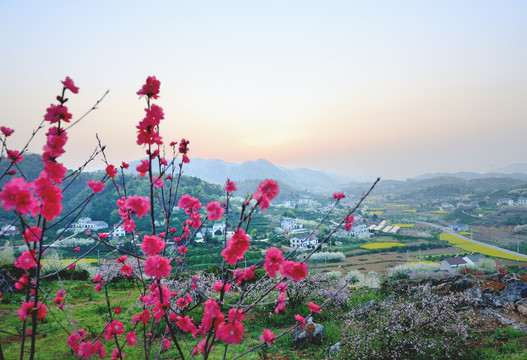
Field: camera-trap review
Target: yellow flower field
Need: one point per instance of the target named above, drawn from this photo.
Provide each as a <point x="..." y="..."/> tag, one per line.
<point x="411" y="210"/>
<point x="471" y="247"/>
<point x="391" y="204"/>
<point x="404" y="225"/>
<point x="424" y="262"/>
<point x="439" y="212"/>
<point x="464" y="233"/>
<point x="69" y="261"/>
<point x="381" y="245"/>
<point x="374" y="212"/>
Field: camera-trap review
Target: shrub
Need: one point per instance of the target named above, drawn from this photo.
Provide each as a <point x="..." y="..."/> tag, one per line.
<point x="405" y="328"/>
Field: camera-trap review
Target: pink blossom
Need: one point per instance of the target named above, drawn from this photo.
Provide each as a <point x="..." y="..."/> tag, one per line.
<point x="294" y="270"/>
<point x="17" y="195"/>
<point x="6" y="131"/>
<point x="189" y="203"/>
<point x="55" y="141"/>
<point x="230" y="187"/>
<point x="151" y="88"/>
<point x="96" y="186"/>
<point x="50" y="198"/>
<point x="98" y="287"/>
<point x="54" y="171"/>
<point x="266" y="192"/>
<point x="73" y="341"/>
<point x="139" y="205"/>
<point x="85" y="350"/>
<point x="131" y="338"/>
<point x="117" y="354"/>
<point x="237" y="245"/>
<point x="185" y="324"/>
<point x="56" y="113"/>
<point x="313" y="308"/>
<point x="280" y="304"/>
<point x="127" y="270"/>
<point x="68" y="83"/>
<point x="111" y="171"/>
<point x="27" y="308"/>
<point x="301" y="320"/>
<point x="215" y="211"/>
<point x="22" y="282"/>
<point x="114" y="328"/>
<point x="268" y="337"/>
<point x="14" y="156"/>
<point x="97" y="278"/>
<point x="231" y="333"/>
<point x="143" y="168"/>
<point x="183" y="146"/>
<point x="338" y="196"/>
<point x="166" y="344"/>
<point x="26" y="260"/>
<point x="157" y="266"/>
<point x="122" y="259"/>
<point x="32" y="234"/>
<point x="281" y="287"/>
<point x="349" y="222"/>
<point x="273" y="260"/>
<point x="152" y="245"/>
<point x="219" y="285"/>
<point x="158" y="182"/>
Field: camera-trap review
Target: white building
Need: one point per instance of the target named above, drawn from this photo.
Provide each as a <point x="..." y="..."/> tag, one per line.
<point x="521" y="201"/>
<point x="87" y="223"/>
<point x="118" y="231"/>
<point x="218" y="227"/>
<point x="290" y="224"/>
<point x="359" y="230"/>
<point x="303" y="241"/>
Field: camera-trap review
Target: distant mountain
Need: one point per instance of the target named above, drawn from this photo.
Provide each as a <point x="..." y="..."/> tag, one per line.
<point x="513" y="168"/>
<point x="473" y="175"/>
<point x="217" y="171"/>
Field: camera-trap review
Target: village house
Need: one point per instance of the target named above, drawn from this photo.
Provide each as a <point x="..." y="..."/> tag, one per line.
<point x="452" y="264"/>
<point x="303" y="241"/>
<point x="290" y="224"/>
<point x="505" y="201"/>
<point x="521" y="201"/>
<point x="87" y="223"/>
<point x="458" y="227"/>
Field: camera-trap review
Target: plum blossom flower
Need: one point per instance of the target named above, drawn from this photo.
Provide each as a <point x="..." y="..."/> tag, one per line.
<point x="56" y="113"/>
<point x="214" y="210"/>
<point x="313" y="308"/>
<point x="96" y="186"/>
<point x="32" y="234"/>
<point x="268" y="337"/>
<point x="266" y="192"/>
<point x="131" y="338"/>
<point x="294" y="270"/>
<point x="273" y="260"/>
<point x="189" y="203"/>
<point x="26" y="260"/>
<point x="68" y="83"/>
<point x="139" y="205"/>
<point x="157" y="266"/>
<point x="6" y="131"/>
<point x="301" y="320"/>
<point x="152" y="245"/>
<point x="230" y="187"/>
<point x="349" y="222"/>
<point x="111" y="171"/>
<point x="14" y="156"/>
<point x="338" y="196"/>
<point x="237" y="245"/>
<point x="150" y="88"/>
<point x="114" y="328"/>
<point x="17" y="195"/>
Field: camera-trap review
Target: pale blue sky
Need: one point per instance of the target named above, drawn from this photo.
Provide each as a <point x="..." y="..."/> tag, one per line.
<point x="377" y="88"/>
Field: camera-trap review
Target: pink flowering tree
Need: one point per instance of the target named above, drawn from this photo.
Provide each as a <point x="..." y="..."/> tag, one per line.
<point x="165" y="307"/>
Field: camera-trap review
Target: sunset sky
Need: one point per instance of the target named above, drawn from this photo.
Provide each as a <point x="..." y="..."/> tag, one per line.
<point x="362" y="88"/>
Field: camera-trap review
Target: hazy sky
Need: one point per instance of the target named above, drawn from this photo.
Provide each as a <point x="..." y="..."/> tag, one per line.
<point x="364" y="88"/>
